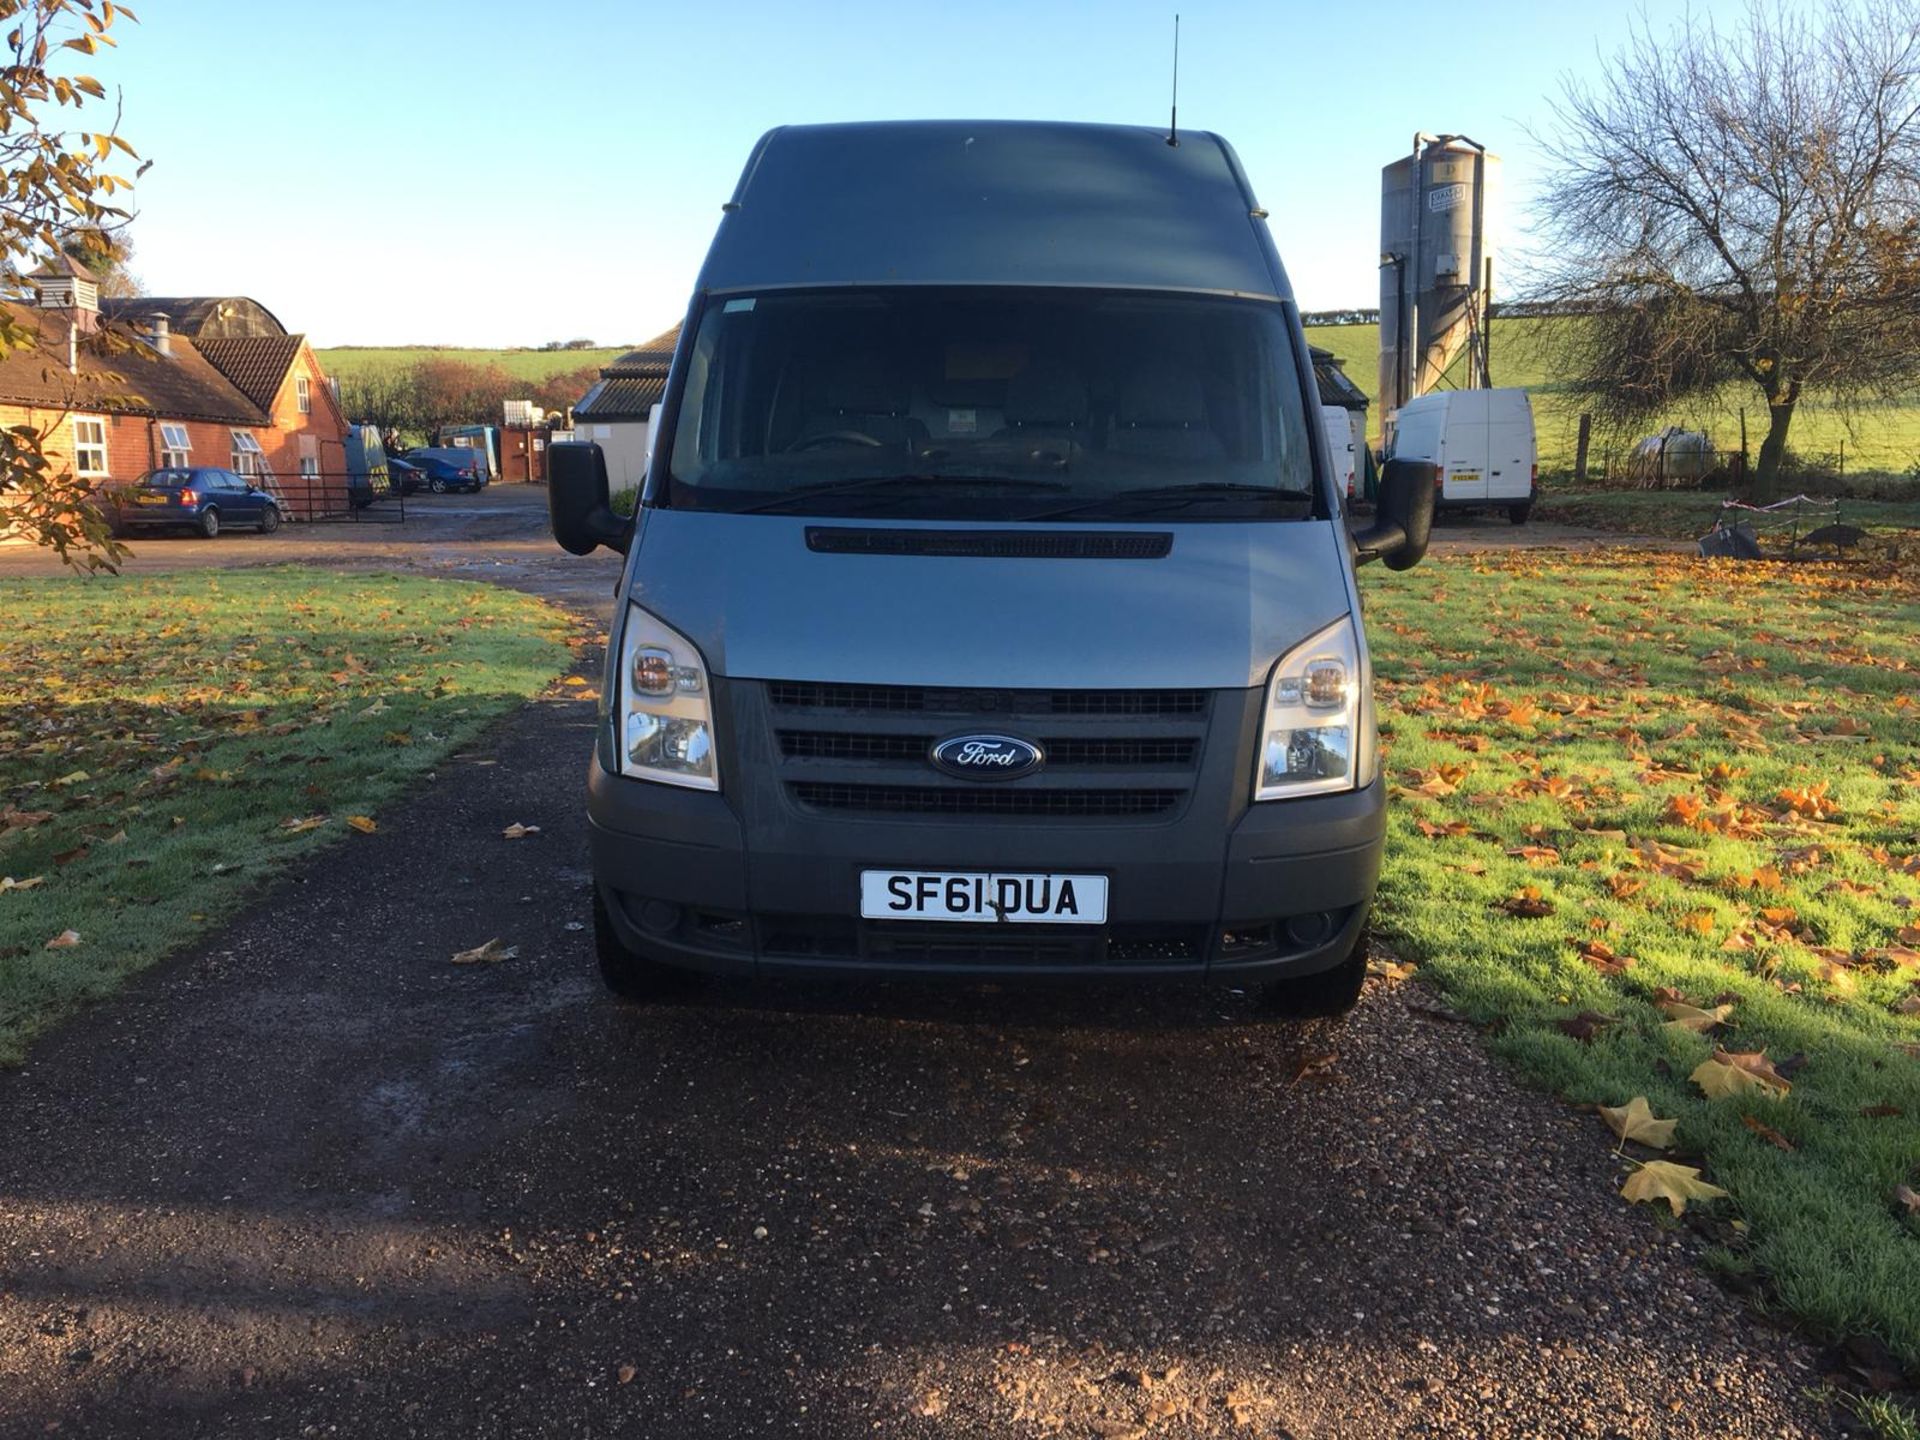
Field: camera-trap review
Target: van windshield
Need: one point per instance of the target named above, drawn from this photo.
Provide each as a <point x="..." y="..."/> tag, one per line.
<point x="992" y="404"/>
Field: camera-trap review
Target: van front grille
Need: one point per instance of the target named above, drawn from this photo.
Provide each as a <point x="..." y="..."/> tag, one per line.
<point x="983" y="705"/>
<point x="1111" y="756"/>
<point x="1060" y="750"/>
<point x="981" y="798"/>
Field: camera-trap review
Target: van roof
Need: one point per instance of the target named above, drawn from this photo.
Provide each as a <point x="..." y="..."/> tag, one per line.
<point x="951" y="202"/>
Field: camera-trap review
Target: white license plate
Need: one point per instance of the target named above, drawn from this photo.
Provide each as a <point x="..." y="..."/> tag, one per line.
<point x="977" y="895"/>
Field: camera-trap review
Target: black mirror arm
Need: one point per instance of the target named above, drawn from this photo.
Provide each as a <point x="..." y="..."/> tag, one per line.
<point x="1377" y="542"/>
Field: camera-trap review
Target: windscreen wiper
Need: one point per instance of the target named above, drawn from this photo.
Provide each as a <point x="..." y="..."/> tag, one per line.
<point x="1155" y="496"/>
<point x="883" y="482"/>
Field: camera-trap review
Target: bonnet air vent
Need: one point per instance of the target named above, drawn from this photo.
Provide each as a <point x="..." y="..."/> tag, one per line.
<point x="993" y="544"/>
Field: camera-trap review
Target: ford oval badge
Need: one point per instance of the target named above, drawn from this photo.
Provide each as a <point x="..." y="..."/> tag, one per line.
<point x="988" y="757"/>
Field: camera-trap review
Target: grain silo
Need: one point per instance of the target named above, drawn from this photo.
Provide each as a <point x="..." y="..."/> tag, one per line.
<point x="1433" y="266"/>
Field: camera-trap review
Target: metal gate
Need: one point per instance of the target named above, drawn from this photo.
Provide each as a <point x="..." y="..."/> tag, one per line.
<point x="338" y="497"/>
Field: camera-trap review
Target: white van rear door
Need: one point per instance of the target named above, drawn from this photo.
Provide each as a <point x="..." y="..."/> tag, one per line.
<point x="1510" y="447"/>
<point x="1466" y="447"/>
<point x="1339" y="431"/>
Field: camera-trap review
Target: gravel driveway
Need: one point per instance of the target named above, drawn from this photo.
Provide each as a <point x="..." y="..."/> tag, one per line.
<point x="312" y="1179"/>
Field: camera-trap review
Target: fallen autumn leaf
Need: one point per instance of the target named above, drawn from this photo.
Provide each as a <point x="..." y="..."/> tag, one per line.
<point x="1635" y="1121"/>
<point x="488" y="953"/>
<point x="1664" y="1180"/>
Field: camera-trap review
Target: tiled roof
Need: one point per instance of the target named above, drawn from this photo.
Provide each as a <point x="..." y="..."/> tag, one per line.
<point x="1335" y="385"/>
<point x="621" y="397"/>
<point x="118" y="373"/>
<point x="651" y="358"/>
<point x="257" y="364"/>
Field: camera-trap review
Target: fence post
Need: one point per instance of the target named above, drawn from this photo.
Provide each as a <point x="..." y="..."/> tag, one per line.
<point x="1580" y="450"/>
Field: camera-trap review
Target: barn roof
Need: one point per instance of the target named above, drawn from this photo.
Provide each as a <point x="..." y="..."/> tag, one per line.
<point x="213" y="316"/>
<point x="1330" y="375"/>
<point x="621" y="397"/>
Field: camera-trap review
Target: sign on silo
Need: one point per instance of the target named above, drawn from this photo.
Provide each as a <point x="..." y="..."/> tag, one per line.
<point x="1433" y="267"/>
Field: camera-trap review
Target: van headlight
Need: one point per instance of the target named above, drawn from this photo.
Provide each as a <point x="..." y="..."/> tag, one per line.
<point x="1311" y="723"/>
<point x="663" y="712"/>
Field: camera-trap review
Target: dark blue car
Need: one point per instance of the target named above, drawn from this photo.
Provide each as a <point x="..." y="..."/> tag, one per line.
<point x="202" y="498"/>
<point x="447" y="468"/>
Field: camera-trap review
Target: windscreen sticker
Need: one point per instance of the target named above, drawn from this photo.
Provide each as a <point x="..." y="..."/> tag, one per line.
<point x="734" y="306"/>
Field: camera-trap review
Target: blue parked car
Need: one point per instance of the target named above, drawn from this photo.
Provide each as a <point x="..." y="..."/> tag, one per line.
<point x="203" y="498"/>
<point x="407" y="477"/>
<point x="450" y="467"/>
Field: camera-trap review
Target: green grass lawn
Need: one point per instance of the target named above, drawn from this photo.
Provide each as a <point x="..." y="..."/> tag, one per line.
<point x="1886" y="440"/>
<point x="1625" y="780"/>
<point x="168" y="743"/>
<point x="348" y="363"/>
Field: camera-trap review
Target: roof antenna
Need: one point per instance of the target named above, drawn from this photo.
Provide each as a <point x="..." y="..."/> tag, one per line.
<point x="1173" y="120"/>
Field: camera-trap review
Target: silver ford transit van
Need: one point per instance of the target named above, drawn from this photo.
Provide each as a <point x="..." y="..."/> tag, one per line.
<point x="988" y="610"/>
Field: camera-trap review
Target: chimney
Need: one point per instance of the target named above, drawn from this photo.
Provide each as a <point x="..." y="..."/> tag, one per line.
<point x="160" y="335"/>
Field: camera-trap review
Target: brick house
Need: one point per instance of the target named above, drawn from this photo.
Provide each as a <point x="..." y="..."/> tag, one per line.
<point x="117" y="391"/>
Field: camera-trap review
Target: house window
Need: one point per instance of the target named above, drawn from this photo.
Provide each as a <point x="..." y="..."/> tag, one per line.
<point x="309" y="467"/>
<point x="246" y="454"/>
<point x="176" y="450"/>
<point x="303" y="392"/>
<point x="89" y="446"/>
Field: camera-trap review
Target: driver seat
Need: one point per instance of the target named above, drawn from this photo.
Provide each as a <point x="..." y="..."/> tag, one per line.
<point x="866" y="394"/>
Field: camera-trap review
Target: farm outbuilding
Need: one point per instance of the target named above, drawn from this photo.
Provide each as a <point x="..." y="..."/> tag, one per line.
<point x="617" y="412"/>
<point x="117" y="390"/>
<point x="1336" y="388"/>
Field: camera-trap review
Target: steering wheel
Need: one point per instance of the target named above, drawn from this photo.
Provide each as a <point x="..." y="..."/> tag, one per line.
<point x="835" y="437"/>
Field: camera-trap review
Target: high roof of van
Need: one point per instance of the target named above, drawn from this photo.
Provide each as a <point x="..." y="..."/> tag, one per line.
<point x="950" y="202"/>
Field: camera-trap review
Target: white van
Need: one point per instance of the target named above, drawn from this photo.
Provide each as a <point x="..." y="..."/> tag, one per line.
<point x="1337" y="420"/>
<point x="1482" y="440"/>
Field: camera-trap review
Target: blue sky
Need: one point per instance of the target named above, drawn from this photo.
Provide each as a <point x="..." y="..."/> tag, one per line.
<point x="506" y="174"/>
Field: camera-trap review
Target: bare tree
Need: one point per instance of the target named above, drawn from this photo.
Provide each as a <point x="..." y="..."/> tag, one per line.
<point x="1743" y="208"/>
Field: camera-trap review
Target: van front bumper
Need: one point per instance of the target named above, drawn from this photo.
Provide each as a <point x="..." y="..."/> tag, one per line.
<point x="1283" y="892"/>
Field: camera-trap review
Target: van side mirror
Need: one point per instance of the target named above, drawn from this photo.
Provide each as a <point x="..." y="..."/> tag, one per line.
<point x="579" y="508"/>
<point x="1403" y="516"/>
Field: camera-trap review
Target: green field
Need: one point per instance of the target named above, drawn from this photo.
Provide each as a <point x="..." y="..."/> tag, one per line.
<point x="169" y="743"/>
<point x="347" y="363"/>
<point x="1884" y="441"/>
<point x="1649" y="811"/>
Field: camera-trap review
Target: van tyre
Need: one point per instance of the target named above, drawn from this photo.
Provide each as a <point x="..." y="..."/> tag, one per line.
<point x="627" y="973"/>
<point x="209" y="524"/>
<point x="1518" y="513"/>
<point x="1330" y="993"/>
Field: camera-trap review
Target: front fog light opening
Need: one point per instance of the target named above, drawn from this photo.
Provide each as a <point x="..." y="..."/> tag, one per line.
<point x="1324" y="752"/>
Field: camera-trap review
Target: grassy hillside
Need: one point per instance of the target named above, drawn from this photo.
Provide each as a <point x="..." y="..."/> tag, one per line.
<point x="1886" y="440"/>
<point x="348" y="362"/>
